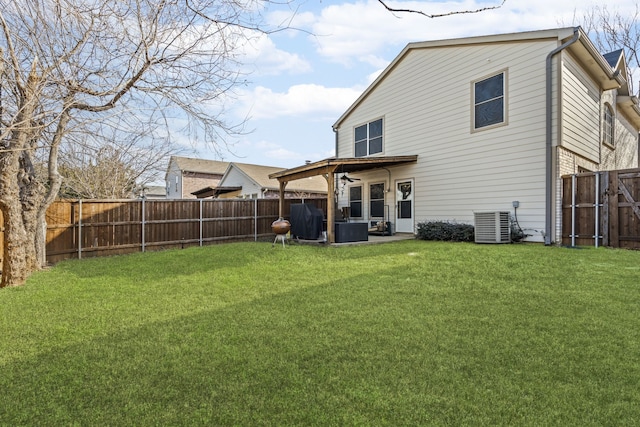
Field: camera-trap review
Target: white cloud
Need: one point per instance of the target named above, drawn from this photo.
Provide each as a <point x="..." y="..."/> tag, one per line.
<point x="260" y="56"/>
<point x="269" y="153"/>
<point x="299" y="100"/>
<point x="361" y="31"/>
<point x="291" y="19"/>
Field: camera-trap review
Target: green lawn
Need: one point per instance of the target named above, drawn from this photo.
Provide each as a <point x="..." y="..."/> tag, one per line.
<point x="406" y="333"/>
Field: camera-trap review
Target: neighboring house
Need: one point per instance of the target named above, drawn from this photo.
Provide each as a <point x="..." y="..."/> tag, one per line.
<point x="154" y="192"/>
<point x="186" y="175"/>
<point x="248" y="181"/>
<point x="490" y="121"/>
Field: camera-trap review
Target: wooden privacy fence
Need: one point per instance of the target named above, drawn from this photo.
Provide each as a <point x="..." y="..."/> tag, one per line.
<point x="602" y="209"/>
<point x="91" y="228"/>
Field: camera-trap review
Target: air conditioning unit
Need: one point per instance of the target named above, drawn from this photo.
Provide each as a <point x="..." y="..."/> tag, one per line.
<point x="492" y="227"/>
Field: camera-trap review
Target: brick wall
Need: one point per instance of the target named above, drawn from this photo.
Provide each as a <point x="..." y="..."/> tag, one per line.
<point x="193" y="181"/>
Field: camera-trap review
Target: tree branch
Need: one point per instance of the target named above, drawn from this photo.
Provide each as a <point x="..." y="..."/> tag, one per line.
<point x="439" y="15"/>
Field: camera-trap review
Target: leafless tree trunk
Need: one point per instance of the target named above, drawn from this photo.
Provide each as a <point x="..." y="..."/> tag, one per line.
<point x="67" y="64"/>
<point x="16" y="182"/>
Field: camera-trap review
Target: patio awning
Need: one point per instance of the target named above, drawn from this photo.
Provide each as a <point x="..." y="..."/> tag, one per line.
<point x="328" y="168"/>
<point x="339" y="165"/>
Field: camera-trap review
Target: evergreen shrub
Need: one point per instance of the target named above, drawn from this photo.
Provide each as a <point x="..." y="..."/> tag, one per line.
<point x="445" y="231"/>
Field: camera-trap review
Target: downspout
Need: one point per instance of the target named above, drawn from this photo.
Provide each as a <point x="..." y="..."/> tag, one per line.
<point x="335" y="131"/>
<point x="549" y="139"/>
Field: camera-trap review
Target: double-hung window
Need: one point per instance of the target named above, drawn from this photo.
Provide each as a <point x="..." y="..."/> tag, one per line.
<point x="376" y="200"/>
<point x="355" y="201"/>
<point x="368" y="139"/>
<point x="607" y="130"/>
<point x="489" y="101"/>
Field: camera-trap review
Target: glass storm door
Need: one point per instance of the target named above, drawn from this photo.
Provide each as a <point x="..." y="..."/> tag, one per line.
<point x="404" y="206"/>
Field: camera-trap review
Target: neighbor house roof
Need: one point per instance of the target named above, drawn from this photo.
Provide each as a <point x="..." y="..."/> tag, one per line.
<point x="259" y="174"/>
<point x="584" y="50"/>
<point x="188" y="164"/>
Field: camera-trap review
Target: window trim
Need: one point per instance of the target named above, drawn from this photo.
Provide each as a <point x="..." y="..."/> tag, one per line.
<point x="368" y="138"/>
<point x="608" y="108"/>
<point x="505" y="102"/>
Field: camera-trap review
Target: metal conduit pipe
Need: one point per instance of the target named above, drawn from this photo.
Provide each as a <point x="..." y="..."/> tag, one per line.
<point x="549" y="139"/>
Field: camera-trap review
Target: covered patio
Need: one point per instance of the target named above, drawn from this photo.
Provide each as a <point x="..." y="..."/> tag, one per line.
<point x="329" y="168"/>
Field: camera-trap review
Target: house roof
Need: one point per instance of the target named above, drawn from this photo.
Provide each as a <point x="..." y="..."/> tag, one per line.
<point x="261" y="176"/>
<point x="613" y="58"/>
<point x="188" y="164"/>
<point x="584" y="50"/>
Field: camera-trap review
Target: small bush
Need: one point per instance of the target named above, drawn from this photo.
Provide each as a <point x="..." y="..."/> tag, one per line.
<point x="445" y="231"/>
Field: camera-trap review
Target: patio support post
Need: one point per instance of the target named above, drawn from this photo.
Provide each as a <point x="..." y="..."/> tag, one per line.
<point x="331" y="207"/>
<point x="283" y="185"/>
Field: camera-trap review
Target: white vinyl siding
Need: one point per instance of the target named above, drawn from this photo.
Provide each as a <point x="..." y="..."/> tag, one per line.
<point x="237" y="178"/>
<point x="580" y="111"/>
<point x="426" y="102"/>
<point x="173" y="181"/>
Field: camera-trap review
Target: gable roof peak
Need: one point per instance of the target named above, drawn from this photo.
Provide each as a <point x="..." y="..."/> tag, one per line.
<point x="614" y="58"/>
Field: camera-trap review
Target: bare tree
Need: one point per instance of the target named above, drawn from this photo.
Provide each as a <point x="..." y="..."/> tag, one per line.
<point x="66" y="64"/>
<point x="611" y="30"/>
<point x="112" y="162"/>
<point x="67" y="67"/>
<point x="110" y="171"/>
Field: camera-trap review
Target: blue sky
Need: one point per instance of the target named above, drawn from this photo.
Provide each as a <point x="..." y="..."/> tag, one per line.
<point x="300" y="82"/>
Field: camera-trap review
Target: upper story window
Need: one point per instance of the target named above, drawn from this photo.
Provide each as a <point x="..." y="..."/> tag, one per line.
<point x="607" y="129"/>
<point x="489" y="101"/>
<point x="368" y="139"/>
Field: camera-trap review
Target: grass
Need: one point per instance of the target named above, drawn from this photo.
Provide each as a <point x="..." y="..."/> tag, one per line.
<point x="406" y="333"/>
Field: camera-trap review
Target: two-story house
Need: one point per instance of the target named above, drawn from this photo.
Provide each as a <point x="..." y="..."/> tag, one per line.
<point x="186" y="175"/>
<point x="453" y="127"/>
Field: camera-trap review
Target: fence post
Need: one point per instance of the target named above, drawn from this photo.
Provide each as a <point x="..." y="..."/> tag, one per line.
<point x="604" y="183"/>
<point x="255" y="220"/>
<point x="596" y="225"/>
<point x="201" y="200"/>
<point x="79" y="229"/>
<point x="144" y="215"/>
<point x="573" y="210"/>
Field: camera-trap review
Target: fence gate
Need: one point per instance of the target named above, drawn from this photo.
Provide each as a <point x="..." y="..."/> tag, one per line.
<point x="602" y="208"/>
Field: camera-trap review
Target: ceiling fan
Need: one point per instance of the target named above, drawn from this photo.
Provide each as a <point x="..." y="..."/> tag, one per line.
<point x="345" y="178"/>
